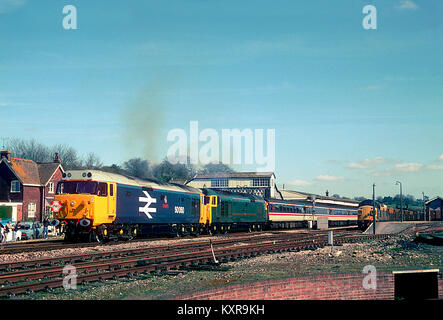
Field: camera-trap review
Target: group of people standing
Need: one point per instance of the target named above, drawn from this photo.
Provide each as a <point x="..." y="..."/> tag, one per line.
<point x="5" y="229"/>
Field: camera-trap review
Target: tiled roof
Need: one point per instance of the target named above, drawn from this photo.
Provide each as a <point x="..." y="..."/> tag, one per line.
<point x="46" y="171"/>
<point x="30" y="172"/>
<point x="26" y="170"/>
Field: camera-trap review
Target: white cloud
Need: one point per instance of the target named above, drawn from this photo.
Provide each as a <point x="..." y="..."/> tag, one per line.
<point x="434" y="167"/>
<point x="383" y="173"/>
<point x="10" y="5"/>
<point x="407" y="5"/>
<point x="440" y="157"/>
<point x="408" y="167"/>
<point x="325" y="177"/>
<point x="366" y="163"/>
<point x="299" y="183"/>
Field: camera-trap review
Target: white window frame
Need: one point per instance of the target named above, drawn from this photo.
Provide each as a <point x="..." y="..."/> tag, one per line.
<point x="51" y="187"/>
<point x="219" y="183"/>
<point x="260" y="182"/>
<point x="32" y="208"/>
<point x="15" y="183"/>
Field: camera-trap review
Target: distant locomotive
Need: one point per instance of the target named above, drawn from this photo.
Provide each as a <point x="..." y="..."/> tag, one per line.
<point x="97" y="206"/>
<point x="365" y="213"/>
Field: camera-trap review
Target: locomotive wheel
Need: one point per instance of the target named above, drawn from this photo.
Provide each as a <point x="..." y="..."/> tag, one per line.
<point x="175" y="232"/>
<point x="93" y="237"/>
<point x="70" y="235"/>
<point x="195" y="231"/>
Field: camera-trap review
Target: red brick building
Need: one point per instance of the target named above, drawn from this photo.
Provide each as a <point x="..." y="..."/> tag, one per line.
<point x="27" y="188"/>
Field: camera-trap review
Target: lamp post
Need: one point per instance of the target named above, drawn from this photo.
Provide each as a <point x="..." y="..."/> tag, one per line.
<point x="401" y="200"/>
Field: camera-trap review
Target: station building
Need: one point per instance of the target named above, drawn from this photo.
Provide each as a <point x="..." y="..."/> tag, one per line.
<point x="434" y="208"/>
<point x="261" y="184"/>
<point x="27" y="188"/>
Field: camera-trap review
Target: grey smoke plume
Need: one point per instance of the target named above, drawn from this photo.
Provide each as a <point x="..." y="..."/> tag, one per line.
<point x="143" y="121"/>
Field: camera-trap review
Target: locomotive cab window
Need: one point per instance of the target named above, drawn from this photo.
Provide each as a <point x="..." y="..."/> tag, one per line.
<point x="77" y="187"/>
<point x="102" y="189"/>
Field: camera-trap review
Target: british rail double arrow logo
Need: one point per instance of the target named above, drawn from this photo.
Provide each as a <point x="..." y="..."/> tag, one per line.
<point x="149" y="200"/>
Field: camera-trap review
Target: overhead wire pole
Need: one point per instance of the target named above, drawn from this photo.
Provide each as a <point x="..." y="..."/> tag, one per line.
<point x="373" y="208"/>
<point x="401" y="200"/>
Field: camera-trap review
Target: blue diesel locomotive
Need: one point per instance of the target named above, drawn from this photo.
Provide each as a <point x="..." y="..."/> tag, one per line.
<point x="97" y="205"/>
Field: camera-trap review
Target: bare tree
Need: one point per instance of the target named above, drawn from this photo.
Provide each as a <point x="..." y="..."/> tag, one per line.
<point x="68" y="156"/>
<point x="92" y="161"/>
<point x="30" y="149"/>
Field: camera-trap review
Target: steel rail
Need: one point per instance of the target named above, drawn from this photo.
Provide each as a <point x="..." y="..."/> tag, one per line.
<point x="112" y="269"/>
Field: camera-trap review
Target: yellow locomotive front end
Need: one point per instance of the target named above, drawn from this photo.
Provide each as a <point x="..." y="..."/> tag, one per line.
<point x="85" y="204"/>
<point x="365" y="213"/>
<point x="365" y="216"/>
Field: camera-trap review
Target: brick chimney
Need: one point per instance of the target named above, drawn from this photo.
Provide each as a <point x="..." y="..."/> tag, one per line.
<point x="5" y="154"/>
<point x="57" y="158"/>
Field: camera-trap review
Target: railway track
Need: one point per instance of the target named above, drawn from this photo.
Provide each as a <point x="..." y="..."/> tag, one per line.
<point x="47" y="273"/>
<point x="195" y="243"/>
<point x="46" y="245"/>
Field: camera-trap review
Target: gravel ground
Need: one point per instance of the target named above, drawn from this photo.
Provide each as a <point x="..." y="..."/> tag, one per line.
<point x="394" y="253"/>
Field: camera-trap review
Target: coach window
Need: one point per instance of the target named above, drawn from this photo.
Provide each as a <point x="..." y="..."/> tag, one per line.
<point x="102" y="189"/>
<point x="111" y="190"/>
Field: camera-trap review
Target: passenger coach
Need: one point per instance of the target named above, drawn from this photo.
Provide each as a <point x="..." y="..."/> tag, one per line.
<point x="304" y="213"/>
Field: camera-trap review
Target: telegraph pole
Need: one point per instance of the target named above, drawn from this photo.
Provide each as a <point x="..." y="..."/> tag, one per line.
<point x="401" y="200"/>
<point x="373" y="208"/>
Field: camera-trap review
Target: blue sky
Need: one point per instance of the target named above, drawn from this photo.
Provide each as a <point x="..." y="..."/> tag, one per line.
<point x="349" y="106"/>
